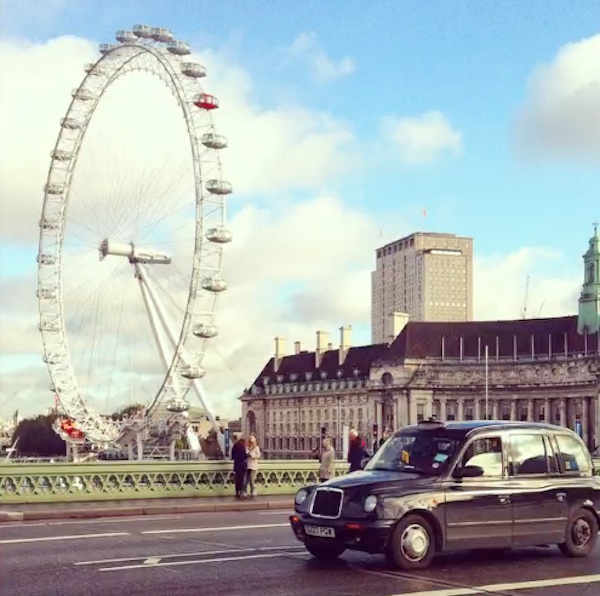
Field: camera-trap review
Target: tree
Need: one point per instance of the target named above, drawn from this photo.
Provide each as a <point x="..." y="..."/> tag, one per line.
<point x="37" y="438"/>
<point x="127" y="411"/>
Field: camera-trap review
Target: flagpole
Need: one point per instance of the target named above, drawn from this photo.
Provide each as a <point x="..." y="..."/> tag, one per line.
<point x="486" y="382"/>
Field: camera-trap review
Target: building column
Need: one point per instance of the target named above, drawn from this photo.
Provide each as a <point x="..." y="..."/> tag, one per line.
<point x="442" y="399"/>
<point x="562" y="409"/>
<point x="378" y="418"/>
<point x="401" y="409"/>
<point x="586" y="425"/>
<point x="460" y="410"/>
<point x="547" y="415"/>
<point x="513" y="410"/>
<point x="596" y="418"/>
<point x="476" y="409"/>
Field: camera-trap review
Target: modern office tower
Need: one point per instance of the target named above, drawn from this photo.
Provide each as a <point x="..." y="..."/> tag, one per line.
<point x="427" y="276"/>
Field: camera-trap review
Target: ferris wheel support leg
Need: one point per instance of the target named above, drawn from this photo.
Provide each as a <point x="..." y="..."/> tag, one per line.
<point x="168" y="327"/>
<point x="161" y="344"/>
<point x="159" y="338"/>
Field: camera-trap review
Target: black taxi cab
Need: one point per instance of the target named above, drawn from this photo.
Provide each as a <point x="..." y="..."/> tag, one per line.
<point x="437" y="486"/>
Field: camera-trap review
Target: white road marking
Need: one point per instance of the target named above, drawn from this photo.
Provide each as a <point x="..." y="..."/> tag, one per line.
<point x="215" y="529"/>
<point x="73" y="522"/>
<point x="55" y="538"/>
<point x="285" y="513"/>
<point x="152" y="560"/>
<point x="207" y="553"/>
<point x="528" y="585"/>
<point x="201" y="561"/>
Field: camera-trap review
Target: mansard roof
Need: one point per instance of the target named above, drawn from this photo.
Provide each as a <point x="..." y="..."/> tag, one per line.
<point x="523" y="339"/>
<point x="538" y="338"/>
<point x="294" y="368"/>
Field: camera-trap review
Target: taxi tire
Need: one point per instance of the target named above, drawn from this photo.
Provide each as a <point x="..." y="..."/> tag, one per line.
<point x="324" y="551"/>
<point x="394" y="554"/>
<point x="569" y="548"/>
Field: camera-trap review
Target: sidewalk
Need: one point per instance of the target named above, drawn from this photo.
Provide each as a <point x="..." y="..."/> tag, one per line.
<point x="135" y="507"/>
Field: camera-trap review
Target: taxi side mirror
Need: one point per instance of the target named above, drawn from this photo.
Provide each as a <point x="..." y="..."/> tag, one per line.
<point x="468" y="472"/>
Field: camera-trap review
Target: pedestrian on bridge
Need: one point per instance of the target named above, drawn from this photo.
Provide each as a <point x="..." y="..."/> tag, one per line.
<point x="327" y="461"/>
<point x="239" y="455"/>
<point x="252" y="463"/>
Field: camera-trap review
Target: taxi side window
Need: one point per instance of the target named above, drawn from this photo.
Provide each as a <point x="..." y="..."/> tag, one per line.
<point x="487" y="454"/>
<point x="571" y="456"/>
<point x="528" y="456"/>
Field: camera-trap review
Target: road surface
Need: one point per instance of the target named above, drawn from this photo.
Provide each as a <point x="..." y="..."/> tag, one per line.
<point x="251" y="553"/>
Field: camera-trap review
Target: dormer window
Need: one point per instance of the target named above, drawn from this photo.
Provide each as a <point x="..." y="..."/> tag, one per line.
<point x="323" y="375"/>
<point x="266" y="380"/>
<point x="293" y="377"/>
<point x="356" y="372"/>
<point x="340" y="373"/>
<point x="279" y="378"/>
<point x="308" y="376"/>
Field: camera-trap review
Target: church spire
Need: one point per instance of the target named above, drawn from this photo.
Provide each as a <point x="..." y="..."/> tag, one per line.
<point x="589" y="301"/>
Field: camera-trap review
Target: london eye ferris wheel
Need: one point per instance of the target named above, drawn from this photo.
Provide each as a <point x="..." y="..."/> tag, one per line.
<point x="132" y="236"/>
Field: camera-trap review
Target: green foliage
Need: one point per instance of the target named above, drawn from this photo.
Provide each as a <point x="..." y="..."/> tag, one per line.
<point x="182" y="443"/>
<point x="37" y="437"/>
<point x="127" y="411"/>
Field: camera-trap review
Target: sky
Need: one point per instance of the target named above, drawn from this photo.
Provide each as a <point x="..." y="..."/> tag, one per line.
<point x="346" y="123"/>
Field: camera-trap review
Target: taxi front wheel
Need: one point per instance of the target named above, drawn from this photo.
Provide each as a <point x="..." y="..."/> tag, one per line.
<point x="412" y="545"/>
<point x="582" y="534"/>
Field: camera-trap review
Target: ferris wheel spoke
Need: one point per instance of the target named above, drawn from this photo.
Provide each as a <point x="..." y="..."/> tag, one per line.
<point x="164" y="205"/>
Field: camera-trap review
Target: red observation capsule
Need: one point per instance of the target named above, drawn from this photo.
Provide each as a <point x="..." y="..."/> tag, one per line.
<point x="206" y="101"/>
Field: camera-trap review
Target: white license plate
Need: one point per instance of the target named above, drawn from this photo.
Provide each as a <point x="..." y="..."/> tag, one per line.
<point x="320" y="531"/>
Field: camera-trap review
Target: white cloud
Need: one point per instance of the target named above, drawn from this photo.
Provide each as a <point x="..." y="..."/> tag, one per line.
<point x="271" y="150"/>
<point x="324" y="68"/>
<point x="294" y="266"/>
<point x="561" y="113"/>
<point x="423" y="139"/>
<point x="500" y="285"/>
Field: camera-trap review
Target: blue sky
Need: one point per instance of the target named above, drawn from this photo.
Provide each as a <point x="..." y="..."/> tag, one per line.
<point x="467" y="64"/>
<point x="469" y="60"/>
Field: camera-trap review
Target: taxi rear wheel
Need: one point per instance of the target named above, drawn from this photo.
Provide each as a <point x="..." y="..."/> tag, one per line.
<point x="412" y="545"/>
<point x="582" y="534"/>
<point x="324" y="551"/>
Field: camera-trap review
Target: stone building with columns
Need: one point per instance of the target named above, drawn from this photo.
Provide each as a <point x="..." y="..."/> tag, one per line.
<point x="529" y="369"/>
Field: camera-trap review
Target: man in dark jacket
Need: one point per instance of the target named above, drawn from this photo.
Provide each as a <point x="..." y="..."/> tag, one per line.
<point x="356" y="452"/>
<point x="239" y="455"/>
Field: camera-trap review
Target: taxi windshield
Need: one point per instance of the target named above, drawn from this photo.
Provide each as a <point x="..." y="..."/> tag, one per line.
<point x="424" y="452"/>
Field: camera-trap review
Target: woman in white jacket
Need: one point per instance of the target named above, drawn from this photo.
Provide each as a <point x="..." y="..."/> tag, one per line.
<point x="252" y="463"/>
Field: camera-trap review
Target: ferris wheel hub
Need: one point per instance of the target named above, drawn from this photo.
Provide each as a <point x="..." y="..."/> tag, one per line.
<point x="136" y="255"/>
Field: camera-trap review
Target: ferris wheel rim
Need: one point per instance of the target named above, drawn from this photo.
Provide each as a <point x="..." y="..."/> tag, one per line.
<point x="62" y="374"/>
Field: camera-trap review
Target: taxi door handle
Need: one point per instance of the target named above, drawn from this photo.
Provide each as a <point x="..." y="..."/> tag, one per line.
<point x="504" y="499"/>
<point x="561" y="496"/>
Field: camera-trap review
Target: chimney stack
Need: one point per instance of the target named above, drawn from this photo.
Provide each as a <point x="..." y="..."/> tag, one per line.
<point x="345" y="343"/>
<point x="394" y="324"/>
<point x="297" y="347"/>
<point x="329" y="346"/>
<point x="279" y="352"/>
<point x="322" y="341"/>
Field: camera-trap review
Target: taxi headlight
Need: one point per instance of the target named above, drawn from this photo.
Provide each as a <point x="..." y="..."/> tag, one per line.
<point x="370" y="503"/>
<point x="301" y="496"/>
